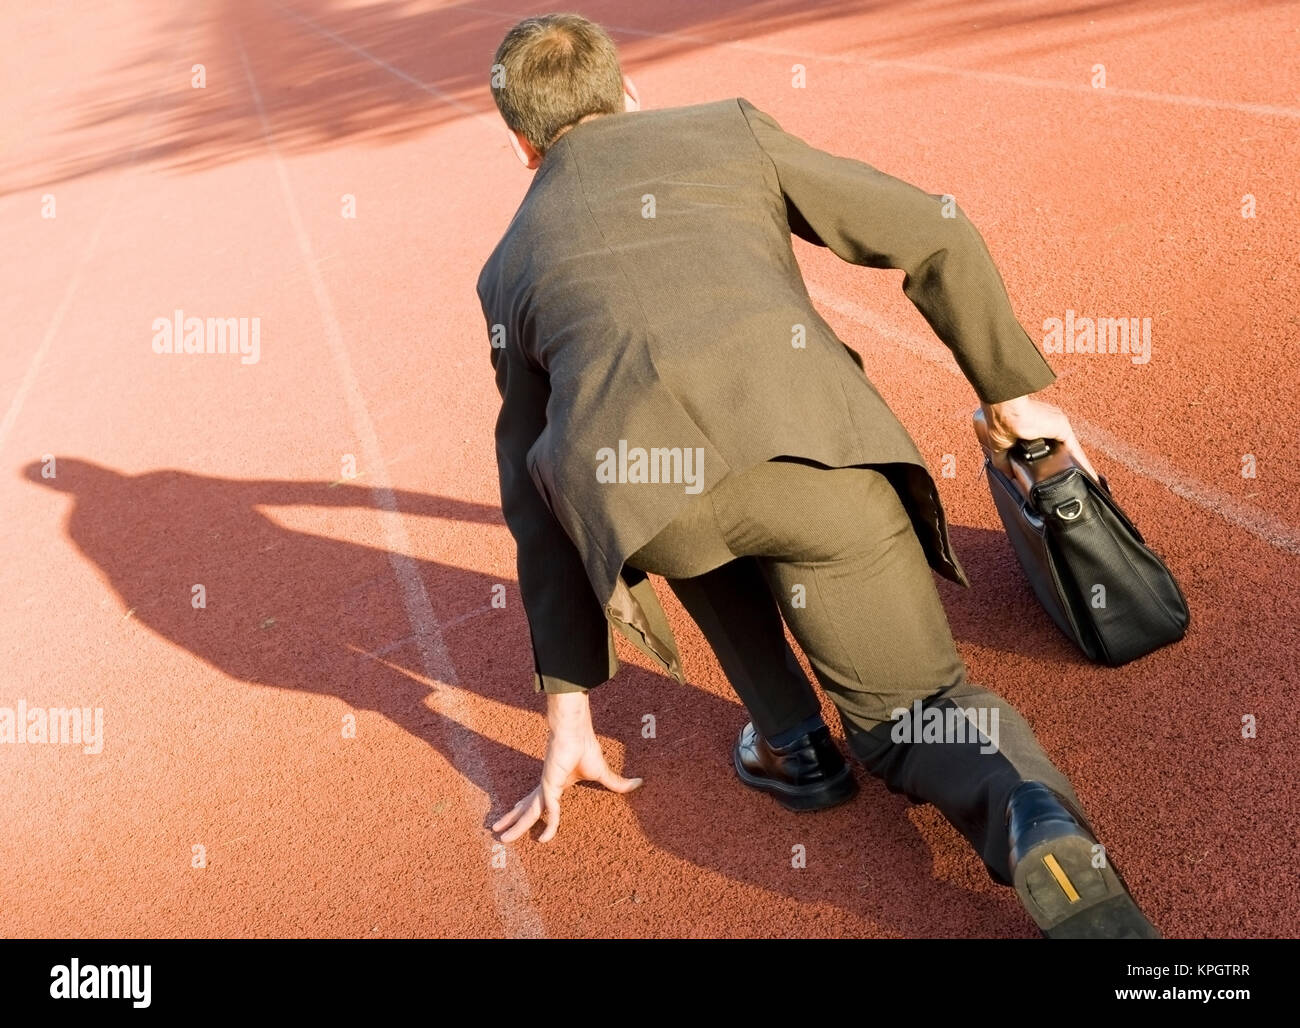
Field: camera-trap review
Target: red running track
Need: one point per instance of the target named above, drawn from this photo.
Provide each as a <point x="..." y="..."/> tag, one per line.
<point x="332" y="595"/>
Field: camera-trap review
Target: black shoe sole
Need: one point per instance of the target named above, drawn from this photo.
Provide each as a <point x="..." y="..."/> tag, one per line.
<point x="1068" y="898"/>
<point x="822" y="796"/>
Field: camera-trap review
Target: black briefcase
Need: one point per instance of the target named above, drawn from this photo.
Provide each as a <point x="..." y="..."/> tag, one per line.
<point x="1085" y="559"/>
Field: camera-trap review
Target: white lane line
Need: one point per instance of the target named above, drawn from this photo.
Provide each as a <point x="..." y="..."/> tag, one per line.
<point x="432" y="90"/>
<point x="74" y="283"/>
<point x="902" y="64"/>
<point x="511" y="893"/>
<point x="60" y="312"/>
<point x="1258" y="523"/>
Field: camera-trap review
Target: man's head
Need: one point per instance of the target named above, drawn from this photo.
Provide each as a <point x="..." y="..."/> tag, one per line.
<point x="552" y="72"/>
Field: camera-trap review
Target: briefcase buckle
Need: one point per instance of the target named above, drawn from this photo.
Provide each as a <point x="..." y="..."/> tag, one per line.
<point x="1069" y="510"/>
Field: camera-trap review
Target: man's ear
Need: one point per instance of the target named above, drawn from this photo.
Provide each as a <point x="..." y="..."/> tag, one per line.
<point x="631" y="99"/>
<point x="524" y="150"/>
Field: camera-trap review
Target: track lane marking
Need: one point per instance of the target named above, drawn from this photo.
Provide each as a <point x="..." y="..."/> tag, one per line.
<point x="511" y="894"/>
<point x="37" y="361"/>
<point x="1257" y="522"/>
<point x="432" y="90"/>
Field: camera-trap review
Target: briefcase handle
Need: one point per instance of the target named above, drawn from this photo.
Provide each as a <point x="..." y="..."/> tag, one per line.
<point x="1028" y="450"/>
<point x="1032" y="449"/>
<point x="1022" y="461"/>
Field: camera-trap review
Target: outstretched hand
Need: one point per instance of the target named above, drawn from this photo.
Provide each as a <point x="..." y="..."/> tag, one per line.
<point x="572" y="755"/>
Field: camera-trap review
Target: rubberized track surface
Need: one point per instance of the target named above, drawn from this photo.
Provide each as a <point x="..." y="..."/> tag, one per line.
<point x="329" y="595"/>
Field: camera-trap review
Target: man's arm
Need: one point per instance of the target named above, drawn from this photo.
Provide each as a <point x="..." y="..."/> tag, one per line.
<point x="573" y="648"/>
<point x="872" y="219"/>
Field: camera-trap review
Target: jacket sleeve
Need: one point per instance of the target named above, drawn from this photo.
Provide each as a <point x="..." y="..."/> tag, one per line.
<point x="869" y="218"/>
<point x="573" y="646"/>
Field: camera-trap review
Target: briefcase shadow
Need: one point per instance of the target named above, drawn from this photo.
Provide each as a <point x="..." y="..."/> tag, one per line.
<point x="1000" y="611"/>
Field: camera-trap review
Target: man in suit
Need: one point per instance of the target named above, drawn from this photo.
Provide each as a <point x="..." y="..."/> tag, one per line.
<point x="672" y="403"/>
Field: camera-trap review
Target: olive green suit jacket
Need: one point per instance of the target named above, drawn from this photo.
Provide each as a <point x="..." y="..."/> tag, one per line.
<point x="645" y="299"/>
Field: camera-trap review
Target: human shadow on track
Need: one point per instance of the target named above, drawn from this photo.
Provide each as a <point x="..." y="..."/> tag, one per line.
<point x="292" y="610"/>
<point x="316" y="64"/>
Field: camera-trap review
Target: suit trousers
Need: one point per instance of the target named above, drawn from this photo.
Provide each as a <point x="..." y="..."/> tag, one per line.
<point x="833" y="553"/>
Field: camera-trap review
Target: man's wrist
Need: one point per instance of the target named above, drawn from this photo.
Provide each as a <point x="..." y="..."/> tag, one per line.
<point x="568" y="710"/>
<point x="1015" y="403"/>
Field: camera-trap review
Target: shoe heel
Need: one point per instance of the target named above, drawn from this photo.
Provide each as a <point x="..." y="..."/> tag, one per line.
<point x="1069" y="898"/>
